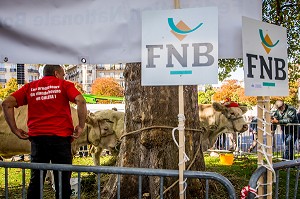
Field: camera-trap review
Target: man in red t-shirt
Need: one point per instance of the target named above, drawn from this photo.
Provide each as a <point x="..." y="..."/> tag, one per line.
<point x="50" y="127"/>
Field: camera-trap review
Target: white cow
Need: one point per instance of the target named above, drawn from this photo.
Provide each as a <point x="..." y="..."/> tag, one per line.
<point x="218" y="119"/>
<point x="98" y="132"/>
<point x="117" y="118"/>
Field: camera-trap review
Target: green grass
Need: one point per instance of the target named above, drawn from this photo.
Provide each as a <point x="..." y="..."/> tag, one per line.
<point x="238" y="174"/>
<point x="15" y="179"/>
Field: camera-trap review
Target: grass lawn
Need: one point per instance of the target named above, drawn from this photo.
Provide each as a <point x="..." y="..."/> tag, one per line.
<point x="239" y="174"/>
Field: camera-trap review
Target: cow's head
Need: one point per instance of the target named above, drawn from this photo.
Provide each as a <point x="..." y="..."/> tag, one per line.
<point x="100" y="132"/>
<point x="233" y="117"/>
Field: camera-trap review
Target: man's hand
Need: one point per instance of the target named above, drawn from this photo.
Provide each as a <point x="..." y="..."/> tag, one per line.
<point x="77" y="132"/>
<point x="21" y="134"/>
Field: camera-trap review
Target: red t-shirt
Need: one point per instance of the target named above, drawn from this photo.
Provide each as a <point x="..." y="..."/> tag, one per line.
<point x="48" y="106"/>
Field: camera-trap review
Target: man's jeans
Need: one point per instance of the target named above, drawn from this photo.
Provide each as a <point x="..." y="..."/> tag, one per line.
<point x="57" y="150"/>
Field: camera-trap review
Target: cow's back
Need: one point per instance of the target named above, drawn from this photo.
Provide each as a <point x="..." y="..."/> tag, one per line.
<point x="10" y="144"/>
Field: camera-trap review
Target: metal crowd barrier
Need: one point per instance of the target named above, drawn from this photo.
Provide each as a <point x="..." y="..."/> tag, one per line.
<point x="242" y="142"/>
<point x="140" y="172"/>
<point x="288" y="168"/>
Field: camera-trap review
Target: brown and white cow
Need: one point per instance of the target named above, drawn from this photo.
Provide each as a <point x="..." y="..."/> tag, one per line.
<point x="218" y="119"/>
<point x="117" y="118"/>
<point x="98" y="132"/>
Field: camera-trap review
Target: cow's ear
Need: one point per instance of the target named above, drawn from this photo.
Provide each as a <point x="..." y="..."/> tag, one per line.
<point x="219" y="107"/>
<point x="244" y="109"/>
<point x="90" y="118"/>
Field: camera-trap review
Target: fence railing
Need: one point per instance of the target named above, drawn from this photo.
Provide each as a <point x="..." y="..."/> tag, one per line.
<point x="140" y="172"/>
<point x="243" y="143"/>
<point x="286" y="167"/>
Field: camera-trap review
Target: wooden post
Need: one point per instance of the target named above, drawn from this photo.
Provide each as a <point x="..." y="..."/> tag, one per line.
<point x="269" y="145"/>
<point x="260" y="139"/>
<point x="264" y="103"/>
<point x="181" y="144"/>
<point x="181" y="133"/>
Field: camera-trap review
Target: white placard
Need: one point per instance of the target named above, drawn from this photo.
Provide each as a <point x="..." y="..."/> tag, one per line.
<point x="180" y="46"/>
<point x="265" y="59"/>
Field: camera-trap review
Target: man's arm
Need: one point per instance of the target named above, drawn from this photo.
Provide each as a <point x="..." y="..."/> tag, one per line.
<point x="82" y="113"/>
<point x="8" y="110"/>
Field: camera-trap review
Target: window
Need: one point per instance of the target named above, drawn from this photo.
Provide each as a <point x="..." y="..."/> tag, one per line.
<point x="101" y="74"/>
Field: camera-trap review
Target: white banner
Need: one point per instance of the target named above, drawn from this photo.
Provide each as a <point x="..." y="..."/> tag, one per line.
<point x="265" y="59"/>
<point x="65" y="31"/>
<point x="180" y="47"/>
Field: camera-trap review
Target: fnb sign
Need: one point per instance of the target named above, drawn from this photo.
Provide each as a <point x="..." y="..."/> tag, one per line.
<point x="180" y="47"/>
<point x="264" y="55"/>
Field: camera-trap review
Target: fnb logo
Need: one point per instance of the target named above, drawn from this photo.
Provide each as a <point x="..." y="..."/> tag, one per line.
<point x="266" y="41"/>
<point x="180" y="30"/>
<point x="201" y="51"/>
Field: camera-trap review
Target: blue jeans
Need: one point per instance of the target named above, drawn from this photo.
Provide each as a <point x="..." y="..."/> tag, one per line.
<point x="57" y="150"/>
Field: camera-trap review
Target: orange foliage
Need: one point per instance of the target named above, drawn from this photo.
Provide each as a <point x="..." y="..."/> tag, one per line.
<point x="233" y="90"/>
<point x="227" y="90"/>
<point x="107" y="87"/>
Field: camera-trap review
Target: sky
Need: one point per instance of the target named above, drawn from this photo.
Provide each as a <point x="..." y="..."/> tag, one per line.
<point x="238" y="74"/>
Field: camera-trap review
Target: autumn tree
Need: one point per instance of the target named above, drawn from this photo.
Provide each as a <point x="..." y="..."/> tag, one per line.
<point x="233" y="90"/>
<point x="10" y="87"/>
<point x="107" y="87"/>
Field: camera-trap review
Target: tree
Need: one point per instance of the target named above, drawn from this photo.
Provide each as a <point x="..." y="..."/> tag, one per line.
<point x="233" y="90"/>
<point x="154" y="106"/>
<point x="226" y="66"/>
<point x="10" y="87"/>
<point x="205" y="97"/>
<point x="107" y="87"/>
<point x="286" y="13"/>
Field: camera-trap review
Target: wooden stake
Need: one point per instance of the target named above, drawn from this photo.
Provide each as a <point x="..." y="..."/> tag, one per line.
<point x="269" y="144"/>
<point x="181" y="133"/>
<point x="260" y="139"/>
<point x="264" y="102"/>
<point x="181" y="144"/>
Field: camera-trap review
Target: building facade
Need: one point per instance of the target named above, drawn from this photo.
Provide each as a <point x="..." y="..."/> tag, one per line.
<point x="8" y="71"/>
<point x="86" y="74"/>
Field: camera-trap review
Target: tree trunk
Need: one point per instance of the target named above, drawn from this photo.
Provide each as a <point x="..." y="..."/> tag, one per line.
<point x="153" y="106"/>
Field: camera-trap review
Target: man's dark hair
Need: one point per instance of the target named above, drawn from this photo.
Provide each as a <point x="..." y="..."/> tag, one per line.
<point x="50" y="69"/>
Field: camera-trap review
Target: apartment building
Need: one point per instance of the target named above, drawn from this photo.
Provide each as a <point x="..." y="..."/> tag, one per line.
<point x="8" y="71"/>
<point x="86" y="74"/>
